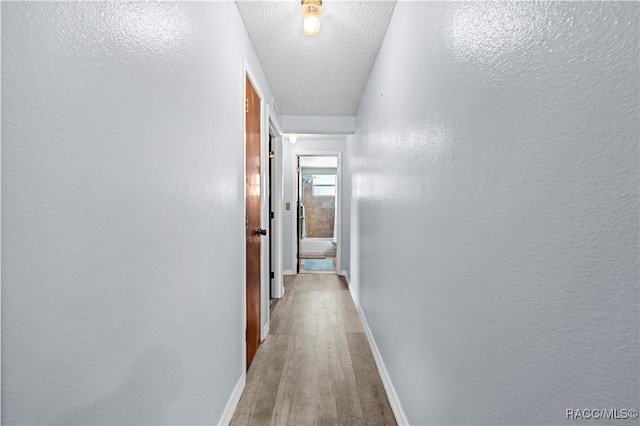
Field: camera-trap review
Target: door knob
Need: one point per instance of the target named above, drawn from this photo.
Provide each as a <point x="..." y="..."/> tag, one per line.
<point x="261" y="231"/>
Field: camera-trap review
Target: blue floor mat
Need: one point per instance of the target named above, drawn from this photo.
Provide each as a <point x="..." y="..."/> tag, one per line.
<point x="318" y="265"/>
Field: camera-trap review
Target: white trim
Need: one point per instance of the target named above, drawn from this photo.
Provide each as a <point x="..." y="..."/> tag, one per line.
<point x="265" y="268"/>
<point x="394" y="401"/>
<point x="339" y="213"/>
<point x="295" y="248"/>
<point x="274" y="118"/>
<point x="278" y="201"/>
<point x="276" y="113"/>
<point x="265" y="331"/>
<point x="303" y="153"/>
<point x="288" y="272"/>
<point x="233" y="401"/>
<point x="346" y="276"/>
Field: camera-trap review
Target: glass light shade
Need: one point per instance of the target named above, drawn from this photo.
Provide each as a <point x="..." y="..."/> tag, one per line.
<point x="311" y="14"/>
<point x="293" y="139"/>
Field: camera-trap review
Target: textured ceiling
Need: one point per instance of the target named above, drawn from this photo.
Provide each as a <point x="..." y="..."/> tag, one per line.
<point x="323" y="75"/>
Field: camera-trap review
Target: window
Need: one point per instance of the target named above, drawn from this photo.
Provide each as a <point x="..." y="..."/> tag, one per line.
<point x="324" y="185"/>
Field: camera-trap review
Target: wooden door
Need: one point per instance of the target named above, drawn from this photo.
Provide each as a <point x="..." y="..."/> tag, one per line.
<point x="253" y="231"/>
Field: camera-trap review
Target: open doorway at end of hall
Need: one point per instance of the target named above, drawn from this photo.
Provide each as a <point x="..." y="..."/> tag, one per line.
<point x="318" y="197"/>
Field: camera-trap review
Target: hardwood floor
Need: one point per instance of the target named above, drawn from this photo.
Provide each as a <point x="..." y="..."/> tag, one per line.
<point x="315" y="366"/>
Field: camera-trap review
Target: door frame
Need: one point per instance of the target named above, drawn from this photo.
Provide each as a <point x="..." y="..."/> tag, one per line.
<point x="248" y="73"/>
<point x="302" y="153"/>
<point x="278" y="200"/>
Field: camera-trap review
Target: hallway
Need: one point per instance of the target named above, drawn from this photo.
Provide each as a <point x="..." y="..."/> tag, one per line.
<point x="315" y="367"/>
<point x="486" y="212"/>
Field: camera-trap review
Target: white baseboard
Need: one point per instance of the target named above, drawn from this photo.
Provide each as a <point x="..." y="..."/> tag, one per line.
<point x="225" y="419"/>
<point x="265" y="331"/>
<point x="346" y="276"/>
<point x="288" y="272"/>
<point x="394" y="401"/>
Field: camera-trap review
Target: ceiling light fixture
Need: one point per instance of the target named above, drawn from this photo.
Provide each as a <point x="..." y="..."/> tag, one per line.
<point x="293" y="139"/>
<point x="311" y="14"/>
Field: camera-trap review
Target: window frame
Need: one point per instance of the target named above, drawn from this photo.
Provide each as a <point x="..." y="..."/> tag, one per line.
<point x="323" y="185"/>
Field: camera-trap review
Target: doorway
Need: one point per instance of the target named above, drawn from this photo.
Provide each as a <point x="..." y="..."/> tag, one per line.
<point x="318" y="202"/>
<point x="275" y="204"/>
<point x="273" y="230"/>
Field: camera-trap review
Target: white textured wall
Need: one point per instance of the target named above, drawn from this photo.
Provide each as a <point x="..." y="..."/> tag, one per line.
<point x="312" y="125"/>
<point x="495" y="209"/>
<point x="122" y="225"/>
<point x="306" y="145"/>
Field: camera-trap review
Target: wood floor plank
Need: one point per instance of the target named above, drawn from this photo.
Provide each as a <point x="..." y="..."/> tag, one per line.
<point x="284" y="393"/>
<point x="326" y="404"/>
<point x="276" y="348"/>
<point x="315" y="367"/>
<point x="348" y="407"/>
<point x="373" y="398"/>
<point x="350" y="316"/>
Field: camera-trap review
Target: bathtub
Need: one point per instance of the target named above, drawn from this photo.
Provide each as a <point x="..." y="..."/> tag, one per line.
<point x="319" y="246"/>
